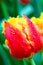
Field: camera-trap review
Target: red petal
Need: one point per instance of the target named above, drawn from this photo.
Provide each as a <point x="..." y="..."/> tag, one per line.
<point x="17" y="43"/>
<point x="34" y="35"/>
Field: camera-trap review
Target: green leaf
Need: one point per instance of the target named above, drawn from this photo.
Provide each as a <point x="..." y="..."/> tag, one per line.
<point x="4" y="56"/>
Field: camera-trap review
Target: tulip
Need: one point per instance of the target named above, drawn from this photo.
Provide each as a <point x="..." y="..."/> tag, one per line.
<point x="25" y="1"/>
<point x="22" y="37"/>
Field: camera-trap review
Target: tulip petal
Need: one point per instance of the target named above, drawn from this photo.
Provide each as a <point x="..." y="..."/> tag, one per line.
<point x="17" y="43"/>
<point x="37" y="45"/>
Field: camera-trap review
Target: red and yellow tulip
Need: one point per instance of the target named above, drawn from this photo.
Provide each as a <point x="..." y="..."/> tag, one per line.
<point x="23" y="36"/>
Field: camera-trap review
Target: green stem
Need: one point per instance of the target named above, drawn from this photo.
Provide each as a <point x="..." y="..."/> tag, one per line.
<point x="25" y="61"/>
<point x="32" y="62"/>
<point x="4" y="10"/>
<point x="29" y="61"/>
<point x="41" y="56"/>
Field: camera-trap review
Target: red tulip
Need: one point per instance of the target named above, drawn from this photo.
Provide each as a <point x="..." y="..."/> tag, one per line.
<point x="23" y="41"/>
<point x="25" y="1"/>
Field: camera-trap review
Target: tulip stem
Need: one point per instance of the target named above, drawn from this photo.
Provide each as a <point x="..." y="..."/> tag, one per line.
<point x="29" y="61"/>
<point x="25" y="61"/>
<point x="42" y="57"/>
<point x="32" y="62"/>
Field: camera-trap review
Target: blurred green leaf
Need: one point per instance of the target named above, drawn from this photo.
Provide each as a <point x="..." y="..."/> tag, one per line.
<point x="4" y="56"/>
<point x="2" y="38"/>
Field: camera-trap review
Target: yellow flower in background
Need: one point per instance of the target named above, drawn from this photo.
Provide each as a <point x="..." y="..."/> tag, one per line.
<point x="22" y="36"/>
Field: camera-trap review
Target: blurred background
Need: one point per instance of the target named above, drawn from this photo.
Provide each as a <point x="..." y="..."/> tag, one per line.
<point x="13" y="8"/>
